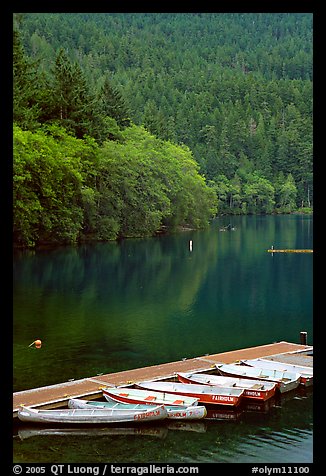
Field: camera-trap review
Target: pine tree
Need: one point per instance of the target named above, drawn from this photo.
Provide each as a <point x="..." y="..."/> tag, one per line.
<point x="25" y="90"/>
<point x="112" y="104"/>
<point x="72" y="103"/>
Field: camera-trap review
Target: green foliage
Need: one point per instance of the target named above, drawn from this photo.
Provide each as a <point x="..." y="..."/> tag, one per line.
<point x="73" y="106"/>
<point x="67" y="189"/>
<point x="129" y="122"/>
<point x="25" y="92"/>
<point x="113" y="105"/>
<point x="47" y="186"/>
<point x="148" y="182"/>
<point x="286" y="192"/>
<point x="248" y="193"/>
<point x="258" y="195"/>
<point x="226" y="85"/>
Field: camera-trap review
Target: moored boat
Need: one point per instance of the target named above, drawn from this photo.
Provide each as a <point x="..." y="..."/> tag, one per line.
<point x="285" y="381"/>
<point x="206" y="394"/>
<point x="253" y="389"/>
<point x="150" y="397"/>
<point x="91" y="416"/>
<point x="306" y="373"/>
<point x="194" y="412"/>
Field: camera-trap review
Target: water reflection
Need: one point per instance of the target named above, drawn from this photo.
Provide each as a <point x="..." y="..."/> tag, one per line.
<point x="108" y="307"/>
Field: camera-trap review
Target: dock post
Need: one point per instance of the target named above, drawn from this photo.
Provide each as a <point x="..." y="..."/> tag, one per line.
<point x="303" y="338"/>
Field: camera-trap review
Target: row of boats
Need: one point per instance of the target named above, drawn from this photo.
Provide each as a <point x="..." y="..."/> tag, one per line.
<point x="189" y="398"/>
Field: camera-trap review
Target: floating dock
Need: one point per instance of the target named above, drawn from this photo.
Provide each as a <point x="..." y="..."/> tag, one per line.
<point x="289" y="251"/>
<point x="55" y="396"/>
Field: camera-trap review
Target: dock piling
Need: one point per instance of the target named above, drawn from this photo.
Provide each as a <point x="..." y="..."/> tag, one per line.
<point x="303" y="338"/>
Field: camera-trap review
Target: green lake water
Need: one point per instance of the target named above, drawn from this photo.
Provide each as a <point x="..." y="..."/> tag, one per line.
<point x="109" y="307"/>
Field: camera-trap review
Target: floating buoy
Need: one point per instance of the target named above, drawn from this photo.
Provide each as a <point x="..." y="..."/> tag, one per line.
<point x="37" y="343"/>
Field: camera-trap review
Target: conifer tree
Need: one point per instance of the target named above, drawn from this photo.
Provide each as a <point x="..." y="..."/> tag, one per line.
<point x="25" y="91"/>
<point x="112" y="104"/>
<point x="72" y="102"/>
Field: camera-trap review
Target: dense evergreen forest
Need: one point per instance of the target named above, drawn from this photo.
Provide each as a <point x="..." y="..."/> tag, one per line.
<point x="128" y="123"/>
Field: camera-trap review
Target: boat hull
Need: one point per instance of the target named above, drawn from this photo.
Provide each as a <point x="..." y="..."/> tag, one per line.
<point x="284" y="384"/>
<point x="252" y="391"/>
<point x="306" y="373"/>
<point x="194" y="412"/>
<point x="205" y="394"/>
<point x="127" y="395"/>
<point x="85" y="416"/>
<point x="306" y="381"/>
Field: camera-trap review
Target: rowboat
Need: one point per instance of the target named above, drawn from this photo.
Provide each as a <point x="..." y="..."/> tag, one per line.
<point x="306" y="373"/>
<point x="285" y="381"/>
<point x="91" y="416"/>
<point x="253" y="389"/>
<point x="194" y="412"/>
<point x="136" y="395"/>
<point x="205" y="394"/>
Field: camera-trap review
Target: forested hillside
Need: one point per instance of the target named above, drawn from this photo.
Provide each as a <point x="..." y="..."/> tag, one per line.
<point x="230" y="92"/>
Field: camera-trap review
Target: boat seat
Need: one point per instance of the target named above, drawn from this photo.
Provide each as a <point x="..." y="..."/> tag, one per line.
<point x="150" y="398"/>
<point x="178" y="402"/>
<point x="257" y="386"/>
<point x="123" y="394"/>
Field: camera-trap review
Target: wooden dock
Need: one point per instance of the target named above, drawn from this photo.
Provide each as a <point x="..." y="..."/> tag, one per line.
<point x="289" y="251"/>
<point x="55" y="396"/>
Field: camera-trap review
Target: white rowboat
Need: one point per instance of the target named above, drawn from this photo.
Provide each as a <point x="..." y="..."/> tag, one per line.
<point x="91" y="416"/>
<point x="285" y="381"/>
<point x="194" y="412"/>
<point x="305" y="372"/>
<point x="253" y="389"/>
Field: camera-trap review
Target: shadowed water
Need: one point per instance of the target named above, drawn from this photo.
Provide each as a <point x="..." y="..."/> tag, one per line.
<point x="114" y="306"/>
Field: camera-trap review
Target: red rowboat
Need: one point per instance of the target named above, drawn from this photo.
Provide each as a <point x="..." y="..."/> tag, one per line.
<point x="134" y="395"/>
<point x="206" y="394"/>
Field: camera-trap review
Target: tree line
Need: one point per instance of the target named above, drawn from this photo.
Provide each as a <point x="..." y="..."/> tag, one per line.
<point x="86" y="173"/>
<point x="229" y="93"/>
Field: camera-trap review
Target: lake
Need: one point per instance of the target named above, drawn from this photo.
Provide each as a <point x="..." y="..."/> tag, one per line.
<point x="107" y="307"/>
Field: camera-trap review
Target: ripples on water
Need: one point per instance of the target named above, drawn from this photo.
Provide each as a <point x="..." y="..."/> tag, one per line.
<point x="289" y="446"/>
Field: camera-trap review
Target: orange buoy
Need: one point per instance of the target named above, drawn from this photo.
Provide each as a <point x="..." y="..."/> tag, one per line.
<point x="37" y="343"/>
